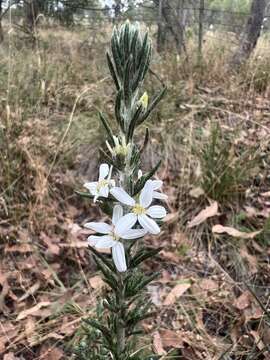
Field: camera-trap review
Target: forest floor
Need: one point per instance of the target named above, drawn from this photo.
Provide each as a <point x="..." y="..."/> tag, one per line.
<point x="212" y="134"/>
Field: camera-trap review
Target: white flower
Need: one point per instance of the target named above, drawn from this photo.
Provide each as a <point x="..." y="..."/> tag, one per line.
<point x="120" y="229"/>
<point x="157" y="184"/>
<point x="101" y="187"/>
<point x="141" y="211"/>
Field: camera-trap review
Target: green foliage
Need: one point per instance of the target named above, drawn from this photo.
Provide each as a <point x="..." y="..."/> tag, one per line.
<point x="127" y="303"/>
<point x="230" y="5"/>
<point x="223" y="172"/>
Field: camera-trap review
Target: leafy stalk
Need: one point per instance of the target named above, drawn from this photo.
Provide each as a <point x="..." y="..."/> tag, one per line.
<point x="127" y="303"/>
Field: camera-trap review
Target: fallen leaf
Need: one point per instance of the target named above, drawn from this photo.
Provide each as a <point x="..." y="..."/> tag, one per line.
<point x="171" y="339"/>
<point x="243" y="301"/>
<point x="96" y="282"/>
<point x="251" y="260"/>
<point x="20" y="248"/>
<point x="219" y="229"/>
<point x="171" y="218"/>
<point x="196" y="192"/>
<point x="31" y="291"/>
<point x="10" y="356"/>
<point x="157" y="344"/>
<point x="52" y="247"/>
<point x="266" y="194"/>
<point x="32" y="310"/>
<point x="206" y="213"/>
<point x="51" y="354"/>
<point x="208" y="285"/>
<point x="175" y="293"/>
<point x="170" y="256"/>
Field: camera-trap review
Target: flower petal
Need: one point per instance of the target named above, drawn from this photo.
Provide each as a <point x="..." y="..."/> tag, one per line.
<point x="99" y="227"/>
<point x="122" y="196"/>
<point x="148" y="224"/>
<point x="118" y="254"/>
<point x="93" y="239"/>
<point x="92" y="187"/>
<point x="105" y="242"/>
<point x="157" y="184"/>
<point x="104" y="191"/>
<point x="146" y="195"/>
<point x="156" y="211"/>
<point x="159" y="195"/>
<point x="103" y="171"/>
<point x="134" y="234"/>
<point x="125" y="223"/>
<point x="117" y="213"/>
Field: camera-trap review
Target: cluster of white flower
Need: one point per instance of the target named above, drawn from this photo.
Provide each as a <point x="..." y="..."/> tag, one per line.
<point x="138" y="211"/>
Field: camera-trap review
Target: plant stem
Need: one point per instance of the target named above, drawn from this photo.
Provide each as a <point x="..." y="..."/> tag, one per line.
<point x="121" y="331"/>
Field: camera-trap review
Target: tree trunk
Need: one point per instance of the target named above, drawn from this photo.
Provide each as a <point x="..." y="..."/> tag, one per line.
<point x="251" y="33"/>
<point x="31" y="10"/>
<point x="173" y="20"/>
<point x="1" y="26"/>
<point x="161" y="34"/>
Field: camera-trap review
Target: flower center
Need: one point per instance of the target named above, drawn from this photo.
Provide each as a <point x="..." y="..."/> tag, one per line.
<point x="138" y="209"/>
<point x="114" y="236"/>
<point x="121" y="150"/>
<point x="101" y="184"/>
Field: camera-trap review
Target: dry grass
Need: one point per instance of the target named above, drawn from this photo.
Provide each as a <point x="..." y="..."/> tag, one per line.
<point x="49" y="134"/>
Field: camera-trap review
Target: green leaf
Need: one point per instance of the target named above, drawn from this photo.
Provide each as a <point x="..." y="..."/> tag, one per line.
<point x="141" y="182"/>
<point x="127" y="83"/>
<point x="106" y="126"/>
<point x="143" y="255"/>
<point x="116" y="53"/>
<point x="117" y="110"/>
<point x="112" y="71"/>
<point x="134" y="121"/>
<point x="102" y="258"/>
<point x="145" y="142"/>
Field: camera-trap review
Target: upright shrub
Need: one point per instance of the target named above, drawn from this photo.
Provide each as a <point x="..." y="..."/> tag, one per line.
<point x="127" y="196"/>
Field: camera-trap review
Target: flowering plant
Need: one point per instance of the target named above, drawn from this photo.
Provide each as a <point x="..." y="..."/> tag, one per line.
<point x="129" y="198"/>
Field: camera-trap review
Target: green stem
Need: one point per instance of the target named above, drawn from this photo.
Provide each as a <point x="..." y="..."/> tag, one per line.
<point x="121" y="330"/>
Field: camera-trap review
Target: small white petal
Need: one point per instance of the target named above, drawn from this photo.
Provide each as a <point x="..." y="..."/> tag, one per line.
<point x="148" y="224"/>
<point x="92" y="187"/>
<point x="112" y="183"/>
<point x="104" y="191"/>
<point x="93" y="239"/>
<point x="160" y="196"/>
<point x="99" y="227"/>
<point x="157" y="184"/>
<point x="146" y="195"/>
<point x="117" y="213"/>
<point x="140" y="173"/>
<point x="105" y="242"/>
<point x="122" y="196"/>
<point x="156" y="211"/>
<point x="125" y="223"/>
<point x="110" y="172"/>
<point x="134" y="234"/>
<point x="118" y="254"/>
<point x="103" y="171"/>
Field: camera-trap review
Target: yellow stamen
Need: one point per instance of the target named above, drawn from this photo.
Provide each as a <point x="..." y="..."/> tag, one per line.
<point x="101" y="184"/>
<point x="138" y="209"/>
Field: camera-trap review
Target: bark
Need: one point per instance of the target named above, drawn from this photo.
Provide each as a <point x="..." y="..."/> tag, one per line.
<point x="172" y="19"/>
<point x="251" y="33"/>
<point x="1" y="26"/>
<point x="31" y="10"/>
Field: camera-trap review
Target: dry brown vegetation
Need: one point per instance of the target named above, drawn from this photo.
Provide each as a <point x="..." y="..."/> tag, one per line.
<point x="212" y="133"/>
